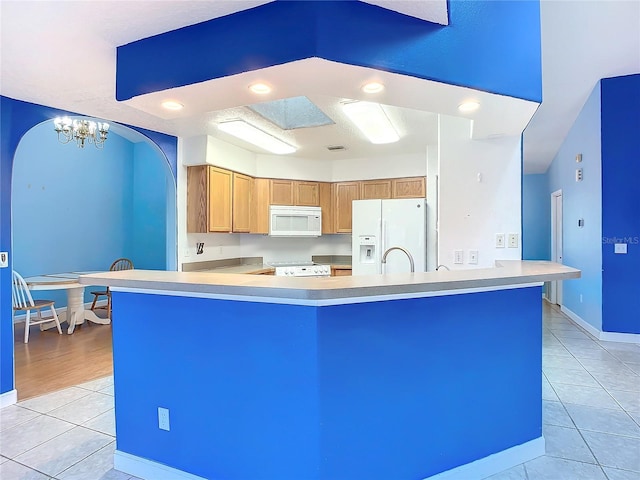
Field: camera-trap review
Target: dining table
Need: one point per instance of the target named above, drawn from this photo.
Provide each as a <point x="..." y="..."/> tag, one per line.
<point x="76" y="313"/>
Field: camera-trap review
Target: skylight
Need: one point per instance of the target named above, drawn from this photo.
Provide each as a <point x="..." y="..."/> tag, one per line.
<point x="292" y="113"/>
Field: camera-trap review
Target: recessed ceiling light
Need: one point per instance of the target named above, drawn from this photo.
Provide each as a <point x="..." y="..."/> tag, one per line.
<point x="372" y="87"/>
<point x="468" y="106"/>
<point x="372" y="121"/>
<point x="172" y="105"/>
<point x="251" y="134"/>
<point x="260" y="88"/>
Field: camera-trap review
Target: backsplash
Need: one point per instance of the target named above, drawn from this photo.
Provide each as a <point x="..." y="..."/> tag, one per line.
<point x="219" y="246"/>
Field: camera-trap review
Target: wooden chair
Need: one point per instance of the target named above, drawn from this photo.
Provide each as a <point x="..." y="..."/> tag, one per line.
<point x="23" y="302"/>
<point x="119" y="264"/>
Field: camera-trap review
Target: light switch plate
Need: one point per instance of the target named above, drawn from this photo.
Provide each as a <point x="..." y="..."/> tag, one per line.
<point x="458" y="256"/>
<point x="620" y="248"/>
<point x="4" y="259"/>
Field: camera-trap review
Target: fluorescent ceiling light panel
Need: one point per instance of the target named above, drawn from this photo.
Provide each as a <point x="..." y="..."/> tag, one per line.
<point x="251" y="134"/>
<point x="372" y="121"/>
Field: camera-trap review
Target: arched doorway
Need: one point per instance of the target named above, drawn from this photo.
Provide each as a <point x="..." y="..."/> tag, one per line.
<point x="78" y="209"/>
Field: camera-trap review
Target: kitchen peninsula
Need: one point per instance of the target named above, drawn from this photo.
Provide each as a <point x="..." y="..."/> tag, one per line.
<point x="402" y="376"/>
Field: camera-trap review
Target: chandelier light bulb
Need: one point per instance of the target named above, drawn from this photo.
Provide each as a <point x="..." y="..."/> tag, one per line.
<point x="81" y="131"/>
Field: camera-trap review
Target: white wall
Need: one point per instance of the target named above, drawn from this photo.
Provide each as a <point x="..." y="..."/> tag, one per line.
<point x="471" y="212"/>
<point x="379" y="167"/>
<point x="433" y="175"/>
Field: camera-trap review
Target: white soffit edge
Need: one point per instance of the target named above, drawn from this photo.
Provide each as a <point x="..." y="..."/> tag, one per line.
<point x="431" y="10"/>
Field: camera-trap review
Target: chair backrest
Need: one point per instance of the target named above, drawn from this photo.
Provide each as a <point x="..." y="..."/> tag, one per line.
<point x="121" y="264"/>
<point x="20" y="294"/>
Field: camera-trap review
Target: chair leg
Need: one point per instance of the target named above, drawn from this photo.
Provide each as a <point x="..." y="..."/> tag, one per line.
<point x="55" y="316"/>
<point x="26" y="326"/>
<point x="95" y="299"/>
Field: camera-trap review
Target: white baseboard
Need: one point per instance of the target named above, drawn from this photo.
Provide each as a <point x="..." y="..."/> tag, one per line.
<point x="61" y="311"/>
<point x="148" y="469"/>
<point x="495" y="463"/>
<point x="599" y="334"/>
<point x="8" y="398"/>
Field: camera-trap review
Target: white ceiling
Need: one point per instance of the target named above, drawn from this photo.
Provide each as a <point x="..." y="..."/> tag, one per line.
<point x="62" y="54"/>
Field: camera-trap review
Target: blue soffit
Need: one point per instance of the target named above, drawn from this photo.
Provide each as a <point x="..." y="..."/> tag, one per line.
<point x="488" y="45"/>
<point x="292" y="113"/>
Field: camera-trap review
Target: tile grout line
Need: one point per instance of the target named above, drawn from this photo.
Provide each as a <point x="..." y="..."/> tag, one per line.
<point x="608" y="393"/>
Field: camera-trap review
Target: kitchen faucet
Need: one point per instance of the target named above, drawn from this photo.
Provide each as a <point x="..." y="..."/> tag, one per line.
<point x="384" y="257"/>
<point x="441" y="266"/>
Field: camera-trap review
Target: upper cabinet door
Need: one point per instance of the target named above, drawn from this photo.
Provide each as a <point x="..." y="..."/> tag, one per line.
<point x="197" y="199"/>
<point x="241" y="203"/>
<point x="412" y="187"/>
<point x="281" y="192"/>
<point x="325" y="192"/>
<point x="346" y="192"/>
<point x="374" y="189"/>
<point x="220" y="184"/>
<point x="260" y="198"/>
<point x="306" y="194"/>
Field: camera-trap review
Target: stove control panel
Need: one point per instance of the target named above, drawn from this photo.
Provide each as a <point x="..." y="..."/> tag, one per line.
<point x="304" y="271"/>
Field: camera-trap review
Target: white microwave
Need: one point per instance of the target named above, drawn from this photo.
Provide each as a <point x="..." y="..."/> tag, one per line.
<point x="291" y="221"/>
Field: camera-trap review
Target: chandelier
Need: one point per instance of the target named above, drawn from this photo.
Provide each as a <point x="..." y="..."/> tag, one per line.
<point x="82" y="131"/>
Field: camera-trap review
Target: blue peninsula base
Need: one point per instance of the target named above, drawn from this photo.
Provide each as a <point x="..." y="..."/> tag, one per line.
<point x="396" y="389"/>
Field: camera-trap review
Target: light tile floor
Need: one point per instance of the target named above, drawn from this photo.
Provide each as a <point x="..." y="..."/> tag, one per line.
<point x="591" y="415"/>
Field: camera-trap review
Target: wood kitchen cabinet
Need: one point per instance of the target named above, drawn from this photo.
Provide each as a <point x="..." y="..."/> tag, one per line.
<point x="411" y="187"/>
<point x="371" y="189"/>
<point x="241" y="207"/>
<point x="344" y="194"/>
<point x="260" y="199"/>
<point x="281" y="192"/>
<point x="306" y="194"/>
<point x="208" y="199"/>
<point x="340" y="271"/>
<point x="325" y="194"/>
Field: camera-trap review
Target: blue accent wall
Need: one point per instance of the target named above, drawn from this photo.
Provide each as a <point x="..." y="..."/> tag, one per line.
<point x="16" y="119"/>
<point x="72" y="207"/>
<point x="536" y="218"/>
<point x="381" y="390"/>
<point x="621" y="203"/>
<point x="148" y="217"/>
<point x="488" y="45"/>
<point x="582" y="247"/>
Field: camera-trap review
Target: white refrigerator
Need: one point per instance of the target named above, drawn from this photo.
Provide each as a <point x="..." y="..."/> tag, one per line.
<point x="379" y="225"/>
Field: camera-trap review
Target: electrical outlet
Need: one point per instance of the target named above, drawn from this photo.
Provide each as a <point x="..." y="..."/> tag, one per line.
<point x="513" y="240"/>
<point x="473" y="257"/>
<point x="163" y="419"/>
<point x="499" y="240"/>
<point x="458" y="256"/>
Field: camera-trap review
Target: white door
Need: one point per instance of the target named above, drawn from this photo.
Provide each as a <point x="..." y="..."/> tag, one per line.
<point x="365" y="236"/>
<point x="404" y="225"/>
<point x="555" y="294"/>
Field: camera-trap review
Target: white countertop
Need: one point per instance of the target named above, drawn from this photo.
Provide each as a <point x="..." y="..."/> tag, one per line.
<point x="327" y="290"/>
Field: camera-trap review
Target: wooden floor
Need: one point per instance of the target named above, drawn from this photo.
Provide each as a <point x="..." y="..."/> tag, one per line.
<point x="51" y="361"/>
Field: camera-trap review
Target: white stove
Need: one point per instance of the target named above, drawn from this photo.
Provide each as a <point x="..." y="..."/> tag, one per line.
<point x="301" y="269"/>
